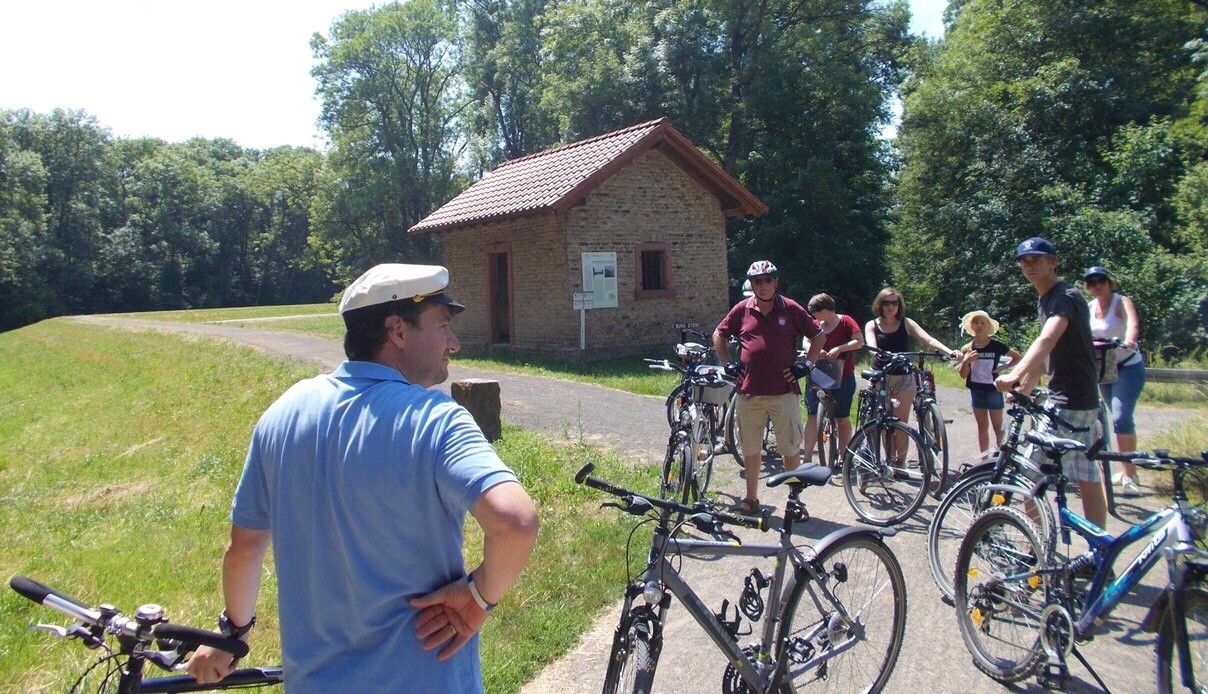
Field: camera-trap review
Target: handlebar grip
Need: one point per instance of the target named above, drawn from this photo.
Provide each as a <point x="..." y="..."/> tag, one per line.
<point x="759" y="523"/>
<point x="201" y="637"/>
<point x="1121" y="457"/>
<point x="584" y="477"/>
<point x="38" y="592"/>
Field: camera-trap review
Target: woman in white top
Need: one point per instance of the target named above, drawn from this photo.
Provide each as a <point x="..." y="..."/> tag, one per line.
<point x="1114" y="315"/>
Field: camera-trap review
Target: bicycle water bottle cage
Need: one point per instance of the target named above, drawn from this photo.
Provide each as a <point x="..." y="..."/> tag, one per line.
<point x="731" y="626"/>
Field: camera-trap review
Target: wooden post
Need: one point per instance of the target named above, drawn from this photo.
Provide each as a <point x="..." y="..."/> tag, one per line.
<point x="481" y="397"/>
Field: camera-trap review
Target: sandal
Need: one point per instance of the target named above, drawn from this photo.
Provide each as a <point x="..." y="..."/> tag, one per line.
<point x="748" y="507"/>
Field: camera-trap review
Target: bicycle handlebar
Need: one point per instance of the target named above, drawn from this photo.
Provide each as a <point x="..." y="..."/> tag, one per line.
<point x="640" y="503"/>
<point x="116" y="623"/>
<point x="1030" y="405"/>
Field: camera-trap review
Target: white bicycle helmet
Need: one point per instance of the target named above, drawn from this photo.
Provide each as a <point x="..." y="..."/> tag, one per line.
<point x="746" y="289"/>
<point x="761" y="267"/>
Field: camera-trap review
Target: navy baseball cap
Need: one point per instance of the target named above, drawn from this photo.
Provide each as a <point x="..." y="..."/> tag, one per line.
<point x="1035" y="246"/>
<point x="1096" y="271"/>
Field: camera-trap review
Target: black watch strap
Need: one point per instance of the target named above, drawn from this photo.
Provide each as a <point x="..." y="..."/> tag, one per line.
<point x="228" y="629"/>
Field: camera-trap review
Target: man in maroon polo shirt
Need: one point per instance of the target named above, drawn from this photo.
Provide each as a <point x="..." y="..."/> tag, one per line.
<point x="769" y="327"/>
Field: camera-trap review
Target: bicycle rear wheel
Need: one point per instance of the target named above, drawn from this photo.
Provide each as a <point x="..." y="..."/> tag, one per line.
<point x="1170" y="677"/>
<point x="866" y="580"/>
<point x="999" y="596"/>
<point x="963" y="504"/>
<point x="635" y="653"/>
<point x="885" y="472"/>
<point x="935" y="434"/>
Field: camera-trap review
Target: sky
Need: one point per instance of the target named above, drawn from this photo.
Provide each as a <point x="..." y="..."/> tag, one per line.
<point x="174" y="70"/>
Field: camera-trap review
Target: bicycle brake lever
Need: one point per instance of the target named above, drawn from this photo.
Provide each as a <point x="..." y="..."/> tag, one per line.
<point x="56" y="630"/>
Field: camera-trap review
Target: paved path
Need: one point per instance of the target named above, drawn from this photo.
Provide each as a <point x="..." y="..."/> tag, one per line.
<point x="933" y="657"/>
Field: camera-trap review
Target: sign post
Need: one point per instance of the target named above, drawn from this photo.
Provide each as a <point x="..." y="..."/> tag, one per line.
<point x="582" y="301"/>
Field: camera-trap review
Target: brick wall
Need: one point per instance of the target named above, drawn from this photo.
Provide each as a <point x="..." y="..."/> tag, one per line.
<point x="649" y="201"/>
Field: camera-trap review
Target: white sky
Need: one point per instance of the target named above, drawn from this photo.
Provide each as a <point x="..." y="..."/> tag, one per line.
<point x="175" y="70"/>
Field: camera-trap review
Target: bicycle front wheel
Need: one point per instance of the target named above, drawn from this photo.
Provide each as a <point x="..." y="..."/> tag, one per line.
<point x="963" y="503"/>
<point x="828" y="437"/>
<point x="886" y="472"/>
<point x="635" y="653"/>
<point x="931" y="426"/>
<point x="702" y="472"/>
<point x="853" y="620"/>
<point x="999" y="594"/>
<point x="1195" y="610"/>
<point x="679" y="395"/>
<point x="671" y="484"/>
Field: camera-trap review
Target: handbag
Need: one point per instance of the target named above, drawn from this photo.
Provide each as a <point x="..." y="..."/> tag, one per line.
<point x="1106" y="368"/>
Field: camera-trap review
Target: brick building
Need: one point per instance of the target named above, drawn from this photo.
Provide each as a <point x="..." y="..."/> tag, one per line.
<point x="635" y="217"/>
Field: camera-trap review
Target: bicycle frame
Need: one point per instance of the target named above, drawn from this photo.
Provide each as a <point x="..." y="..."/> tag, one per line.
<point x="660" y="572"/>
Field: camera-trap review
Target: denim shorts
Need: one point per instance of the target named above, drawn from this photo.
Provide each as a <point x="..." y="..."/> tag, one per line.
<point x="843" y="398"/>
<point x="986" y="399"/>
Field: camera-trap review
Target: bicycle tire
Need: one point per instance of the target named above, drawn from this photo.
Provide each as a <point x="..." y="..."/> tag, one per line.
<point x="874" y="588"/>
<point x="880" y="489"/>
<point x="685" y="453"/>
<point x="828" y="435"/>
<point x="734" y="438"/>
<point x="675" y="401"/>
<point x="1002" y="543"/>
<point x="931" y="426"/>
<point x="703" y="470"/>
<point x="635" y="653"/>
<point x="1195" y="609"/>
<point x="960" y="507"/>
<point x="670" y="484"/>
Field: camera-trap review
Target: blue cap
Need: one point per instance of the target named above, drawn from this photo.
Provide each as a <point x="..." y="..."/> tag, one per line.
<point x="1035" y="246"/>
<point x="1096" y="271"/>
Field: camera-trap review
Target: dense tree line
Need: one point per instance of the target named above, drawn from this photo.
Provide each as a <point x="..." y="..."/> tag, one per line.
<point x="1080" y="119"/>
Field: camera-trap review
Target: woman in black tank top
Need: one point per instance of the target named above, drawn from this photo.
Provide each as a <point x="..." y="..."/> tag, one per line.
<point x="891" y="331"/>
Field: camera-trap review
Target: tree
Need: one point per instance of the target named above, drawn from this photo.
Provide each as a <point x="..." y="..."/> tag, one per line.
<point x="1024" y="121"/>
<point x="390" y="85"/>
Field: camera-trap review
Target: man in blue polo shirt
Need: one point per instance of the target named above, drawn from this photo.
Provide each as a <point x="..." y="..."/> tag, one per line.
<point x="360" y="480"/>
<point x="769" y="326"/>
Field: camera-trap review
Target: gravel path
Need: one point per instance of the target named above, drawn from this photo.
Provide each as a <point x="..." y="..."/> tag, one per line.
<point x="933" y="656"/>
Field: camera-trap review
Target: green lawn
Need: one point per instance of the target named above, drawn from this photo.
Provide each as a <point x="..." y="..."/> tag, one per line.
<point x="120" y="452"/>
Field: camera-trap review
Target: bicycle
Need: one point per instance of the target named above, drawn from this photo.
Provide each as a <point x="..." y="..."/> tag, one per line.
<point x="147" y="637"/>
<point x="1016" y="600"/>
<point x="1003" y="477"/>
<point x="688" y="463"/>
<point x="885" y="481"/>
<point x="828" y="424"/>
<point x="931" y="422"/>
<point x="821" y="615"/>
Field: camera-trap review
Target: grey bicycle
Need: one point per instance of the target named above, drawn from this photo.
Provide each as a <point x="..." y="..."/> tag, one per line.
<point x="834" y="615"/>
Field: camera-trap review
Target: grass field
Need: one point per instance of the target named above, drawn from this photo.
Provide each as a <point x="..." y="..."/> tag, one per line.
<point x="119" y="452"/>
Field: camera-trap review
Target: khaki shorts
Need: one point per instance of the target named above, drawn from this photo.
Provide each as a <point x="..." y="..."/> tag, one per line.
<point x="753" y="412"/>
<point x="897" y="384"/>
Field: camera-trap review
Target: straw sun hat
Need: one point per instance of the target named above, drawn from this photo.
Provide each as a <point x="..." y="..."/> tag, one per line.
<point x="967" y="321"/>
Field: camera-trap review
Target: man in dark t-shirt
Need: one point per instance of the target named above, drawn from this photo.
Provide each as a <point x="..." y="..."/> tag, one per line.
<point x="1065" y="341"/>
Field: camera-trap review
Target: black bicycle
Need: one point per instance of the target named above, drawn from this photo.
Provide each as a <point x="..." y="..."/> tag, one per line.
<point x="147" y="637"/>
<point x="688" y="463"/>
<point x="835" y="612"/>
<point x="887" y="467"/>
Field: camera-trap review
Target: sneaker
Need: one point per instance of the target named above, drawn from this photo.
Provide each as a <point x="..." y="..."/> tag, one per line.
<point x="1118" y="478"/>
<point x="1128" y="487"/>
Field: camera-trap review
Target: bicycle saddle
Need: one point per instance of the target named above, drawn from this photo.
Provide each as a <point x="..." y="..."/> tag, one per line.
<point x="816" y="475"/>
<point x="1054" y="443"/>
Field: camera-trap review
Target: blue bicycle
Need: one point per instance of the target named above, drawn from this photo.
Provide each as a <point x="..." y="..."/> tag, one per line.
<point x="1022" y="604"/>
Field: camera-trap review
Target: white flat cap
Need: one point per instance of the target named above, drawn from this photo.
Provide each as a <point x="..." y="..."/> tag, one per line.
<point x="389" y="282"/>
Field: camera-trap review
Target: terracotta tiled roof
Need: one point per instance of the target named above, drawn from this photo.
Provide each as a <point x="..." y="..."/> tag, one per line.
<point x="559" y="178"/>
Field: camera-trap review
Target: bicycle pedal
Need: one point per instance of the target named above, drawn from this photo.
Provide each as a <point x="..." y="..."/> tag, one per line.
<point x="1053" y="675"/>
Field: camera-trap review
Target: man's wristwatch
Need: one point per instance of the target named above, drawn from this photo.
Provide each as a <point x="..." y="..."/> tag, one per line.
<point x="228" y="629"/>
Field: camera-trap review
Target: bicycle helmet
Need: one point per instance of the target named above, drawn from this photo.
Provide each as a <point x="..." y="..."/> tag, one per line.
<point x="746" y="289"/>
<point x="760" y="268"/>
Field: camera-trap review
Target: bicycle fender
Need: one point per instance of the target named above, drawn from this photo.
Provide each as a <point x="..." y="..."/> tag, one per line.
<point x="878" y="534"/>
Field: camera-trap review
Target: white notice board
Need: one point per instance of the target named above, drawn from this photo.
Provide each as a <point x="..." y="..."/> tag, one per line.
<point x="600" y="278"/>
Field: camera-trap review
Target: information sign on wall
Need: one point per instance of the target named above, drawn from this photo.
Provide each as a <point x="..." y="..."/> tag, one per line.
<point x="600" y="278"/>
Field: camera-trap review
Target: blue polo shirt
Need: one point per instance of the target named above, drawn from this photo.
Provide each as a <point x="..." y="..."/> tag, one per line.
<point x="364" y="481"/>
